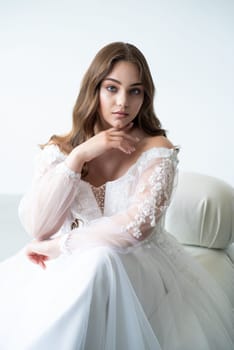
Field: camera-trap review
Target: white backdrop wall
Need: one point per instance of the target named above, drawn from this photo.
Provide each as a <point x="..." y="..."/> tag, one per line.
<point x="47" y="45"/>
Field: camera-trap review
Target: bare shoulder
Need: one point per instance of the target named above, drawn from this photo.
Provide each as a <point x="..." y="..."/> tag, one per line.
<point x="157" y="141"/>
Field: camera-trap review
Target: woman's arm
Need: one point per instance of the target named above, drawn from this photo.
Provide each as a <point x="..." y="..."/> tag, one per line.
<point x="124" y="229"/>
<point x="44" y="208"/>
<point x="147" y="204"/>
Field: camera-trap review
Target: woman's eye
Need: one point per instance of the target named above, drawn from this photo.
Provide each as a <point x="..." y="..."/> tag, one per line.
<point x="111" y="88"/>
<point x="135" y="91"/>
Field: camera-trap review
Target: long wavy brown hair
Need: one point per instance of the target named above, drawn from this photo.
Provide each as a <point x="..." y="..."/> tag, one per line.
<point x="85" y="112"/>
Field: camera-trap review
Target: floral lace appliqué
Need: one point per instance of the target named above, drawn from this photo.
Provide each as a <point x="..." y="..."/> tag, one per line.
<point x="159" y="188"/>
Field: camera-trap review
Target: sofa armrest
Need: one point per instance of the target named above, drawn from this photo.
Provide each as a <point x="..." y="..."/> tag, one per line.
<point x="202" y="211"/>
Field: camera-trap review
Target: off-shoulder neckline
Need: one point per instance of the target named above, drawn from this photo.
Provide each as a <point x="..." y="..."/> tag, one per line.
<point x="158" y="150"/>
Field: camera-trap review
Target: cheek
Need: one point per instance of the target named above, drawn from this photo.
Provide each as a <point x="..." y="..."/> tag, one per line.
<point x="138" y="103"/>
<point x="104" y="100"/>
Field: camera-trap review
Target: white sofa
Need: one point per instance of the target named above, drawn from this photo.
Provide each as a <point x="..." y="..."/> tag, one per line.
<point x="201" y="217"/>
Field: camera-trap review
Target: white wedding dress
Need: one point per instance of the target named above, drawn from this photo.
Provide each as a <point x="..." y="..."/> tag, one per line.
<point x="127" y="284"/>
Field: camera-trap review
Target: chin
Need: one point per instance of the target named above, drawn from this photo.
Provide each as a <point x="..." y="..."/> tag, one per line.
<point x="121" y="124"/>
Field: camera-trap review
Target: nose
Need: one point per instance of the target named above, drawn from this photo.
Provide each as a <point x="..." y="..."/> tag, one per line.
<point x="122" y="99"/>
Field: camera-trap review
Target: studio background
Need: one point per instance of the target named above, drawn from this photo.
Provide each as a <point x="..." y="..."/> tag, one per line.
<point x="47" y="45"/>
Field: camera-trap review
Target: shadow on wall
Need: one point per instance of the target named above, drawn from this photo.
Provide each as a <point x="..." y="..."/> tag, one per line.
<point x="12" y="234"/>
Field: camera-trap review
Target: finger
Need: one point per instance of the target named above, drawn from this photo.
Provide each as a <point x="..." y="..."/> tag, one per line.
<point x="32" y="258"/>
<point x="124" y="145"/>
<point x="38" y="259"/>
<point x="42" y="264"/>
<point x="125" y="137"/>
<point x="41" y="259"/>
<point x="126" y="150"/>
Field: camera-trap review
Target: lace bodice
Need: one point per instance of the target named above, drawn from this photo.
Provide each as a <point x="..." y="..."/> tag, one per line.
<point x="125" y="210"/>
<point x="99" y="193"/>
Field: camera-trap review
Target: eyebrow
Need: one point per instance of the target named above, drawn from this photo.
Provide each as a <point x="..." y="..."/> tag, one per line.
<point x="118" y="82"/>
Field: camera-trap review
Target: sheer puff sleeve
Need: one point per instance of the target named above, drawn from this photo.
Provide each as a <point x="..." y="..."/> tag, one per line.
<point x="43" y="209"/>
<point x="129" y="227"/>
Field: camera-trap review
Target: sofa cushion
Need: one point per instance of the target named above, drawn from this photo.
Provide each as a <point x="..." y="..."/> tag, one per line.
<point x="219" y="265"/>
<point x="202" y="211"/>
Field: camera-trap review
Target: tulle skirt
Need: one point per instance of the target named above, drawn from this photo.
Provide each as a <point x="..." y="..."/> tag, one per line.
<point x="154" y="297"/>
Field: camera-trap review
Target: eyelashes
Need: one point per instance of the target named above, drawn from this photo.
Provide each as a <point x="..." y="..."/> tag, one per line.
<point x="133" y="91"/>
<point x="111" y="88"/>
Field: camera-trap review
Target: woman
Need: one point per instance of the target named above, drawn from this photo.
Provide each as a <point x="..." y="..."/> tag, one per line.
<point x="97" y="204"/>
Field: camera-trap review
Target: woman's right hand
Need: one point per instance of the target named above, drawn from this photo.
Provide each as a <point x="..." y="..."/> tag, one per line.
<point x="39" y="251"/>
<point x="112" y="138"/>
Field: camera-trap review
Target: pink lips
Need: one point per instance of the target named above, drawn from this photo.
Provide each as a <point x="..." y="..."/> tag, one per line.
<point x="121" y="114"/>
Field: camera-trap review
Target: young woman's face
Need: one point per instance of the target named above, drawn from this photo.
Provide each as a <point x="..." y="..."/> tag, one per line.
<point x="121" y="96"/>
